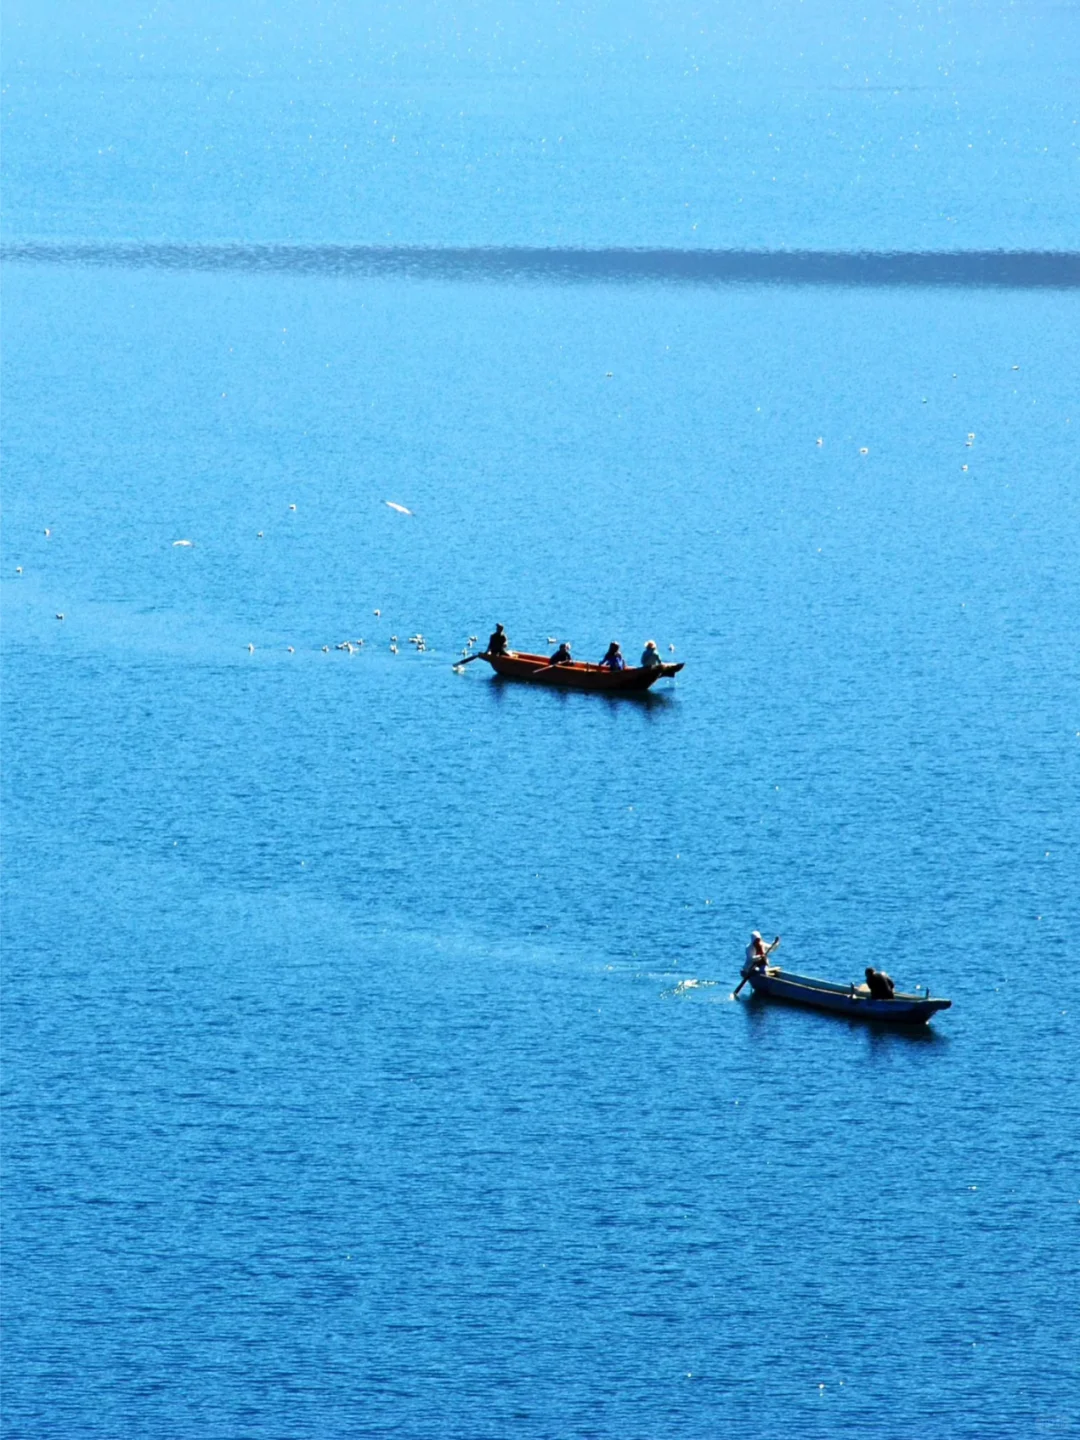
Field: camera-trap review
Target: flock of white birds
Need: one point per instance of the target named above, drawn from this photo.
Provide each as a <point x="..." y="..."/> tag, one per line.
<point x="353" y="646"/>
<point x="350" y="646"/>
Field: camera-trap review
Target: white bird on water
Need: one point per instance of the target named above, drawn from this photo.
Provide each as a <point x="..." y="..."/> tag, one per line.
<point x="251" y="649"/>
<point x="401" y="509"/>
<point x="183" y="542"/>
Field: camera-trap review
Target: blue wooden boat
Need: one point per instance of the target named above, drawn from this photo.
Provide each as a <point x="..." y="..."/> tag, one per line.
<point x="853" y="1000"/>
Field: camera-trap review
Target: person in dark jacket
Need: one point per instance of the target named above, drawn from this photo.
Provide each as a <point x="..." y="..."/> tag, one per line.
<point x="562" y="655"/>
<point x="497" y="643"/>
<point x="613" y="660"/>
<point x="880" y="985"/>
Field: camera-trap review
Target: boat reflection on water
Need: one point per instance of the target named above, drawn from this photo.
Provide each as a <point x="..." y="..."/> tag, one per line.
<point x="760" y="1009"/>
<point x="648" y="700"/>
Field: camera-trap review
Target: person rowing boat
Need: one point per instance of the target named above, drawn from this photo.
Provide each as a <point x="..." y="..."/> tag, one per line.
<point x="757" y="957"/>
<point x="497" y="644"/>
<point x="757" y="952"/>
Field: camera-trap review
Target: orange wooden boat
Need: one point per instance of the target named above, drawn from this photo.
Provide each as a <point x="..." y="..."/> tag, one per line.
<point x="576" y="674"/>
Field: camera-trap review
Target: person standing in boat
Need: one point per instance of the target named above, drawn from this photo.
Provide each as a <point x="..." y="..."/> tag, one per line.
<point x="880" y="985"/>
<point x="757" y="952"/>
<point x="497" y="642"/>
<point x="562" y="655"/>
<point x="613" y="660"/>
<point x="650" y="656"/>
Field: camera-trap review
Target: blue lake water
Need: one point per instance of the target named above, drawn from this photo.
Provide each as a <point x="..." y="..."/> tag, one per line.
<point x="371" y="1063"/>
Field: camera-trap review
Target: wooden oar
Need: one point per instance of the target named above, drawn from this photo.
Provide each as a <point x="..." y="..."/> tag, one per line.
<point x="480" y="655"/>
<point x="768" y="951"/>
<point x="586" y="665"/>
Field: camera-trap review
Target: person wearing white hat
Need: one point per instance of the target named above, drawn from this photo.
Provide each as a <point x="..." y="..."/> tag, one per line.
<point x="757" y="952"/>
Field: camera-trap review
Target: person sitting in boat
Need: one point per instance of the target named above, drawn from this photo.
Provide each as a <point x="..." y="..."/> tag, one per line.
<point x="879" y="984"/>
<point x="757" y="952"/>
<point x="562" y="655"/>
<point x="497" y="643"/>
<point x="650" y="656"/>
<point x="613" y="660"/>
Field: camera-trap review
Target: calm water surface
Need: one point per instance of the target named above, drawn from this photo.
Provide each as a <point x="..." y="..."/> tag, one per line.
<point x="371" y="1060"/>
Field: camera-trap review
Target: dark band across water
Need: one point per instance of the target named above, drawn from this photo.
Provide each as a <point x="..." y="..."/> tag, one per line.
<point x="999" y="269"/>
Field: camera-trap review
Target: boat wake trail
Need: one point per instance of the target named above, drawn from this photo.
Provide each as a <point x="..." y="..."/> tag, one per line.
<point x="686" y="987"/>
